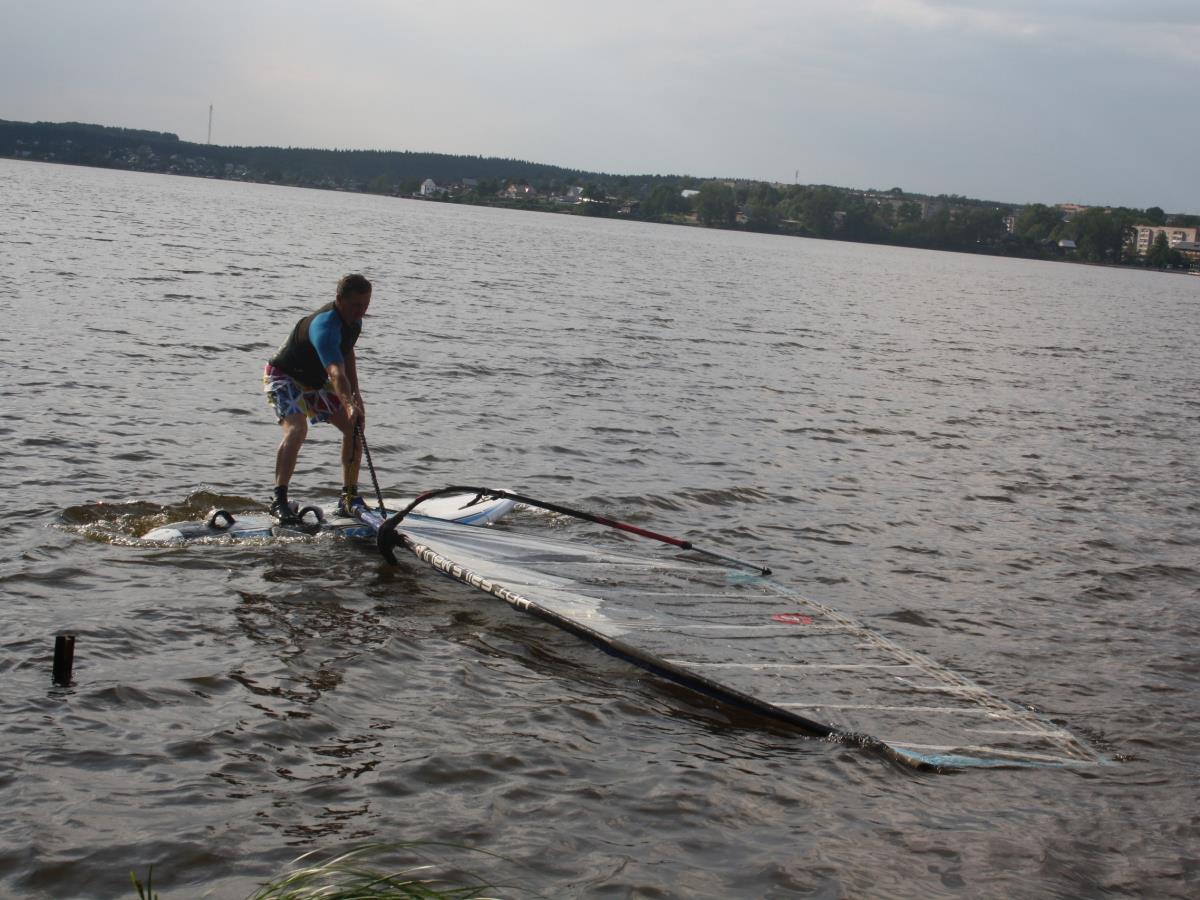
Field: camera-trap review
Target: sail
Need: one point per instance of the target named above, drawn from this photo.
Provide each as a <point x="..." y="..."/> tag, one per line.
<point x="748" y="640"/>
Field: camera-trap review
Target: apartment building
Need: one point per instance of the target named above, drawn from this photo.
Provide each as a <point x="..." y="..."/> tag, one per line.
<point x="1148" y="234"/>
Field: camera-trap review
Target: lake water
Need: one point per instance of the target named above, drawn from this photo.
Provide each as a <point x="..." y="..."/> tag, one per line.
<point x="993" y="462"/>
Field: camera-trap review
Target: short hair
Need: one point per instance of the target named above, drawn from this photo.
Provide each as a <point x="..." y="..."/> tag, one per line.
<point x="353" y="284"/>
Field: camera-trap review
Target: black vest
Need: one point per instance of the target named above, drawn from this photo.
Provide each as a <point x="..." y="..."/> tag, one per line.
<point x="298" y="357"/>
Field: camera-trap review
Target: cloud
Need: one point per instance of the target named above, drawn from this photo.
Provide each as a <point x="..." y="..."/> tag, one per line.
<point x="932" y="16"/>
<point x="1076" y="13"/>
<point x="1149" y="30"/>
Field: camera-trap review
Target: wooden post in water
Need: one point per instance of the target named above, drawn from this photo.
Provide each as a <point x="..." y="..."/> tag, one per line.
<point x="64" y="658"/>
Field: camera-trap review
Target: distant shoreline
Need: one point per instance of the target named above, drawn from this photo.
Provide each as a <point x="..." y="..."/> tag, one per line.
<point x="1092" y="236"/>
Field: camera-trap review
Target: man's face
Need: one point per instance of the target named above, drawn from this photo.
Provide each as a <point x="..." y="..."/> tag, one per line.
<point x="354" y="306"/>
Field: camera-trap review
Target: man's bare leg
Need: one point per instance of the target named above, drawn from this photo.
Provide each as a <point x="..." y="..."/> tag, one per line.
<point x="295" y="430"/>
<point x="351" y="448"/>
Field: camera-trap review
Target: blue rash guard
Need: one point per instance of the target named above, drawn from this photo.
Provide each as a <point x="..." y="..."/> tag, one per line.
<point x="317" y="341"/>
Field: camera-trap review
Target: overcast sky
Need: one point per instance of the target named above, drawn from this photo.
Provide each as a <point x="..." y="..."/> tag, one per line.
<point x="1085" y="101"/>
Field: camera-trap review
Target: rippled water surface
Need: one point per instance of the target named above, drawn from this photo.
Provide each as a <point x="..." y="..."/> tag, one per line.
<point x="993" y="462"/>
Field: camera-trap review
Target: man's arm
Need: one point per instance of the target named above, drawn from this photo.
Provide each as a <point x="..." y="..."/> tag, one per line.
<point x="344" y="378"/>
<point x="352" y="373"/>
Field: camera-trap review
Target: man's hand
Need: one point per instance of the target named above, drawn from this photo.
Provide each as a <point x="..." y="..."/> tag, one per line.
<point x="358" y="411"/>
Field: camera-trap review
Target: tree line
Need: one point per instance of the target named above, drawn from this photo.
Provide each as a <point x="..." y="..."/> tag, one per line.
<point x="380" y="171"/>
<point x="945" y="222"/>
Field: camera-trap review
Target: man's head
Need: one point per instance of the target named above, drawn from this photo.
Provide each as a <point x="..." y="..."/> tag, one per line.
<point x="353" y="297"/>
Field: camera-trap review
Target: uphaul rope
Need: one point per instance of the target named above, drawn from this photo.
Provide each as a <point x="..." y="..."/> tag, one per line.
<point x="386" y="533"/>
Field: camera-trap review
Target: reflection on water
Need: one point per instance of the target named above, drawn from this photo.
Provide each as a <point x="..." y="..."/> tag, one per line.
<point x="990" y="461"/>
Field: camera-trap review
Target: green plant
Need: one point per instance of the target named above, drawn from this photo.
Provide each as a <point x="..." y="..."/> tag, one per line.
<point x="349" y="877"/>
<point x="145" y="892"/>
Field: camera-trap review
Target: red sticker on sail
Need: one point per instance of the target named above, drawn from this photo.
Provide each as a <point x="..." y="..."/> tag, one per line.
<point x="792" y="618"/>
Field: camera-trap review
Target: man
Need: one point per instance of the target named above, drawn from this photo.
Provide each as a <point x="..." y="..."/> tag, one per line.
<point x="313" y="377"/>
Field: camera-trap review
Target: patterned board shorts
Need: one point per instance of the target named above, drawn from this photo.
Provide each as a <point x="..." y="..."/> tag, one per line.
<point x="287" y="397"/>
